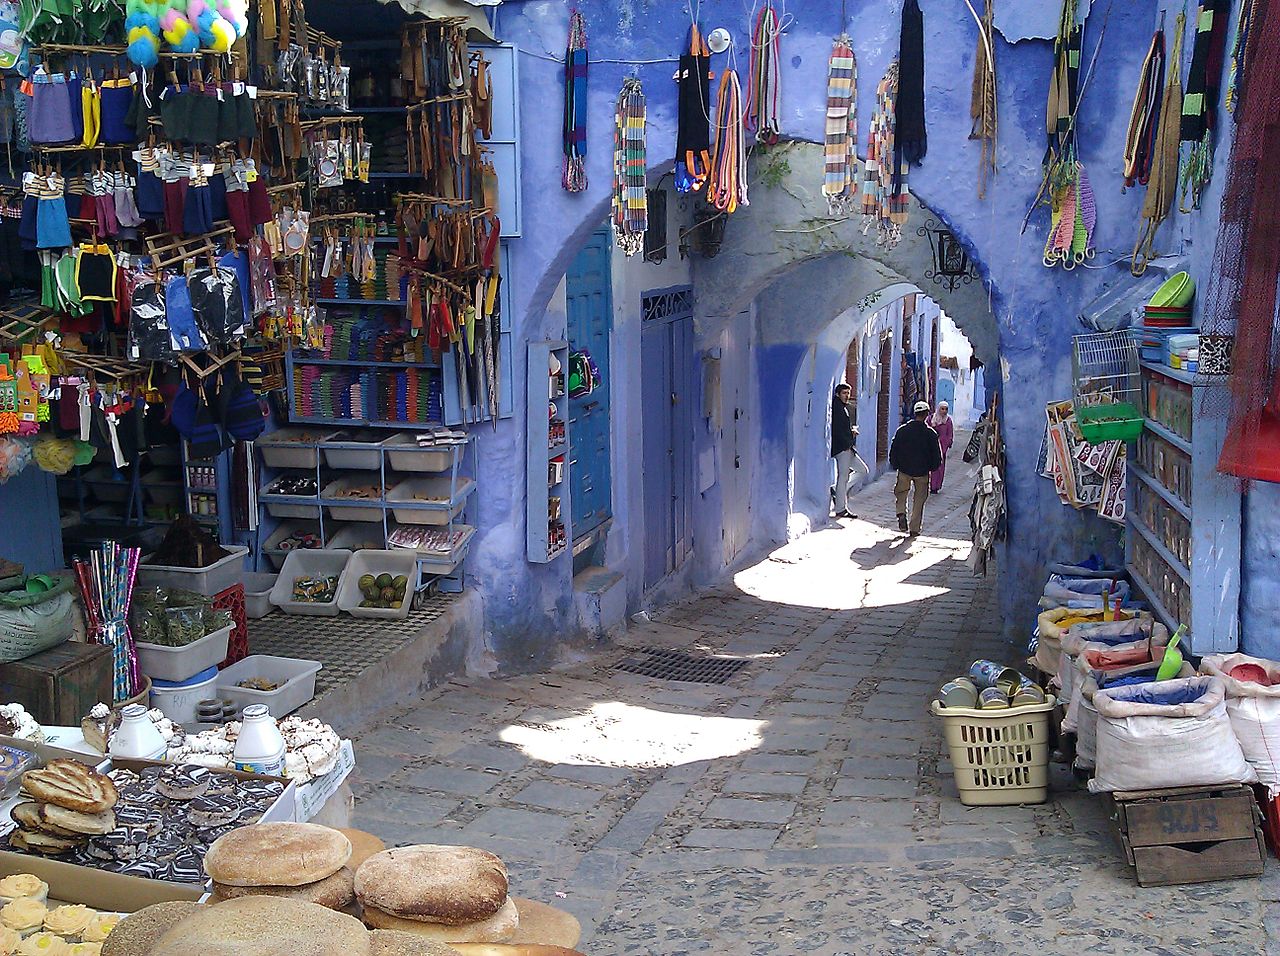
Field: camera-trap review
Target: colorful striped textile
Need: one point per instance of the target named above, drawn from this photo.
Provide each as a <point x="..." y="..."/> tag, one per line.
<point x="841" y="152"/>
<point x="727" y="186"/>
<point x="764" y="92"/>
<point x="575" y="106"/>
<point x="1200" y="102"/>
<point x="630" y="169"/>
<point x="885" y="196"/>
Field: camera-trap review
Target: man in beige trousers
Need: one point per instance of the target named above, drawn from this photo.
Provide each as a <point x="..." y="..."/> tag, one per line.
<point x="915" y="453"/>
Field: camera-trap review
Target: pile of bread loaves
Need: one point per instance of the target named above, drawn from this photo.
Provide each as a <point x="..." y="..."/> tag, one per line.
<point x="67" y="802"/>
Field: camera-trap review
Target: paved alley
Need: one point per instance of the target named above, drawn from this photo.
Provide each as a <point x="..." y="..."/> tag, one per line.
<point x="806" y="805"/>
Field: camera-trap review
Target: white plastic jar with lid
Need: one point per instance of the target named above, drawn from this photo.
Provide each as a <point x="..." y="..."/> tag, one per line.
<point x="137" y="737"/>
<point x="259" y="748"/>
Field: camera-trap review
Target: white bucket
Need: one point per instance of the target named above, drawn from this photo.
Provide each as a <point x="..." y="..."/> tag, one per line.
<point x="179" y="703"/>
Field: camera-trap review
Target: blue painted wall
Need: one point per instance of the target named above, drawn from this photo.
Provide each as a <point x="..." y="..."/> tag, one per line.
<point x="1034" y="308"/>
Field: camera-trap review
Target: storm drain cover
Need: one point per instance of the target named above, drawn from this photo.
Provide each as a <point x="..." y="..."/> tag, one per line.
<point x="674" y="665"/>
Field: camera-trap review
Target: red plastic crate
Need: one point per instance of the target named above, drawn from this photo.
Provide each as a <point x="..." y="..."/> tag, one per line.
<point x="232" y="599"/>
<point x="1270" y="819"/>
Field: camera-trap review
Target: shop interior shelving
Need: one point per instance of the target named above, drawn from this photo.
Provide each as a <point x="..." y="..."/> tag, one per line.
<point x="547" y="466"/>
<point x="148" y="492"/>
<point x="1182" y="545"/>
<point x="314" y="514"/>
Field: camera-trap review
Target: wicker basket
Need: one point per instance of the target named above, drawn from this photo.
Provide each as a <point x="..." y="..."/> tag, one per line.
<point x="1001" y="756"/>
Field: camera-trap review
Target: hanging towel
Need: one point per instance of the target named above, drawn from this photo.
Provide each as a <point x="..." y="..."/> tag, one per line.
<point x="913" y="142"/>
<point x="839" y="183"/>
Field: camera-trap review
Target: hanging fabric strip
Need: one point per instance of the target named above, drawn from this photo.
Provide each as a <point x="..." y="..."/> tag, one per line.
<point x="575" y="106"/>
<point x="693" y="122"/>
<point x="884" y="186"/>
<point x="630" y="171"/>
<point x="1162" y="189"/>
<point x="1240" y="53"/>
<point x="982" y="103"/>
<point x="764" y="95"/>
<point x="839" y="184"/>
<point x="909" y="131"/>
<point x="1200" y="104"/>
<point x="727" y="189"/>
<point x="1144" y="118"/>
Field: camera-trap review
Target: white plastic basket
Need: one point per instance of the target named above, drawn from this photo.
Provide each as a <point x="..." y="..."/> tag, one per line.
<point x="355" y="453"/>
<point x="209" y="581"/>
<point x="438" y="508"/>
<point x="362" y="509"/>
<point x="375" y="563"/>
<point x="999" y="757"/>
<point x="292" y="447"/>
<point x="296" y="679"/>
<point x="161" y="662"/>
<point x="404" y="454"/>
<point x="257" y="593"/>
<point x="308" y="563"/>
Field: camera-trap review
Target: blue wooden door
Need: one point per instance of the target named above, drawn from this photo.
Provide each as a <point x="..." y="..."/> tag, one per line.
<point x="590" y="322"/>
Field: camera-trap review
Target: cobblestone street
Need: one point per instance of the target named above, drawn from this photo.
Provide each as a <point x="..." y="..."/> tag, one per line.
<point x="806" y="806"/>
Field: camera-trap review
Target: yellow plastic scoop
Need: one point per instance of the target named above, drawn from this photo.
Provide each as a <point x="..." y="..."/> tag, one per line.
<point x="1172" y="662"/>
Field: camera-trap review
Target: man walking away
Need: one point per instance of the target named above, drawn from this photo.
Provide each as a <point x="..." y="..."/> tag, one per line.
<point x="914" y="453"/>
<point x="844" y="436"/>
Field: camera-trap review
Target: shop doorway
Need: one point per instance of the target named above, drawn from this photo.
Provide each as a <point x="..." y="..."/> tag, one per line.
<point x="667" y="369"/>
<point x="883" y="397"/>
<point x="590" y="324"/>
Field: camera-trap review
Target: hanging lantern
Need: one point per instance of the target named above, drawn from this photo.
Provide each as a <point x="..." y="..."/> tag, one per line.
<point x="951" y="265"/>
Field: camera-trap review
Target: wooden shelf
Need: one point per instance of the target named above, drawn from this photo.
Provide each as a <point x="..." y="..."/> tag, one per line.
<point x="1177" y="374"/>
<point x="1164" y="432"/>
<point x="1158" y="546"/>
<point x="1172" y="500"/>
<point x="364" y="363"/>
<point x="1161" y="612"/>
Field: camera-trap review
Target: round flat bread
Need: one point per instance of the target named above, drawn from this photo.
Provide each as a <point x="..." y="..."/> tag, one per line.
<point x="335" y="892"/>
<point x="390" y="942"/>
<point x="363" y="846"/>
<point x="543" y="925"/>
<point x="137" y="933"/>
<point x="277" y="854"/>
<point x="498" y="928"/>
<point x="265" y="926"/>
<point x="443" y="884"/>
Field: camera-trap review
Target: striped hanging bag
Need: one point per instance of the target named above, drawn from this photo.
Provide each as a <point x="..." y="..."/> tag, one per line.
<point x="630" y="171"/>
<point x="840" y="148"/>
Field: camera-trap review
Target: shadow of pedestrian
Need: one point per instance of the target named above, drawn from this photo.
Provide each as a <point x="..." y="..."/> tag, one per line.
<point x="881" y="554"/>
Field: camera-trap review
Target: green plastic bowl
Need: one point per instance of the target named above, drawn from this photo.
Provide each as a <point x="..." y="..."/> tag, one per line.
<point x="1176" y="292"/>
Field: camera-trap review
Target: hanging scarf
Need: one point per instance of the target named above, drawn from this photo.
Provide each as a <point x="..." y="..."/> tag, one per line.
<point x="884" y="184"/>
<point x="912" y="140"/>
<point x="840" y="182"/>
<point x="693" y="119"/>
<point x="765" y="91"/>
<point x="630" y="198"/>
<point x="1144" y="118"/>
<point x="575" y="106"/>
<point x="1200" y="104"/>
<point x="982" y="102"/>
<point x="1163" y="185"/>
<point x="727" y="188"/>
<point x="1240" y="53"/>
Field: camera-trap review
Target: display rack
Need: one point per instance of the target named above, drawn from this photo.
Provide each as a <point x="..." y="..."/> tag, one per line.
<point x="398" y="466"/>
<point x="547" y="471"/>
<point x="1182" y="547"/>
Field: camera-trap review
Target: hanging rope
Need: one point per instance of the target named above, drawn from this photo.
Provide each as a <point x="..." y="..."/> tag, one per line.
<point x="982" y="103"/>
<point x="1200" y="104"/>
<point x="839" y="184"/>
<point x="764" y="94"/>
<point x="727" y="188"/>
<point x="630" y="172"/>
<point x="1163" y="185"/>
<point x="575" y="106"/>
<point x="1144" y="118"/>
<point x="693" y="136"/>
<point x="884" y="185"/>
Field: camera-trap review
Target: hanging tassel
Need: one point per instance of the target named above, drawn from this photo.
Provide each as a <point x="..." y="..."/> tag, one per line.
<point x="764" y="94"/>
<point x="575" y="106"/>
<point x="727" y="187"/>
<point x="630" y="171"/>
<point x="982" y="103"/>
<point x="841" y="141"/>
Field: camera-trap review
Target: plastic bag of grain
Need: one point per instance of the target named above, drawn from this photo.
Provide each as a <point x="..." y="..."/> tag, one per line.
<point x="1253" y="704"/>
<point x="1112" y="636"/>
<point x="1053" y="624"/>
<point x="1087" y="714"/>
<point x="1172" y="733"/>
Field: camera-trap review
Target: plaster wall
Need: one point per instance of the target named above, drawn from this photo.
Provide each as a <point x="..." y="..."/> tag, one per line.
<point x="952" y="343"/>
<point x="1033" y="307"/>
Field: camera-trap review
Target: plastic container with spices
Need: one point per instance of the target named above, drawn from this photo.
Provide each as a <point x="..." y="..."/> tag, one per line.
<point x="137" y="737"/>
<point x="259" y="748"/>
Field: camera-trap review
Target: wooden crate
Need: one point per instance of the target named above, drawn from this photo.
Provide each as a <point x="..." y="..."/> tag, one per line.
<point x="1189" y="834"/>
<point x="60" y="685"/>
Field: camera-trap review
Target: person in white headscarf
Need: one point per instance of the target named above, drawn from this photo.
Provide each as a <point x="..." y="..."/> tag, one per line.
<point x="942" y="424"/>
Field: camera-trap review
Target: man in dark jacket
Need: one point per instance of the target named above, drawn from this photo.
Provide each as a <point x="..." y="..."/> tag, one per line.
<point x="914" y="453"/>
<point x="844" y="439"/>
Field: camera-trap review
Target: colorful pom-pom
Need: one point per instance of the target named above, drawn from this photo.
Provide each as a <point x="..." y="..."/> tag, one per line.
<point x="224" y="35"/>
<point x="144" y="52"/>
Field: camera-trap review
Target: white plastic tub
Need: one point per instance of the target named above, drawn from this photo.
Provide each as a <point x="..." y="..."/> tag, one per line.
<point x="287" y="529"/>
<point x="179" y="703"/>
<point x="362" y="535"/>
<point x="209" y="580"/>
<point x="304" y="564"/>
<point x="437" y="508"/>
<point x="375" y="563"/>
<point x="296" y="679"/>
<point x="403" y="454"/>
<point x="160" y="662"/>
<point x="441" y="562"/>
<point x="362" y="509"/>
<point x="257" y="593"/>
<point x="292" y="447"/>
<point x="358" y="451"/>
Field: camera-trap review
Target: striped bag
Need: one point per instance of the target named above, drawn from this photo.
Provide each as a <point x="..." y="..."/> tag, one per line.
<point x="840" y="182"/>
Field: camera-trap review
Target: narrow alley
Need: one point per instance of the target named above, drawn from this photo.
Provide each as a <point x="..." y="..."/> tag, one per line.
<point x="803" y="806"/>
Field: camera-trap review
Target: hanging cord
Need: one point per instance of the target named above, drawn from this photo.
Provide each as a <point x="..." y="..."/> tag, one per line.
<point x="1144" y="118"/>
<point x="1163" y="186"/>
<point x="839" y="183"/>
<point x="982" y="105"/>
<point x="727" y="187"/>
<point x="575" y="106"/>
<point x="764" y="94"/>
<point x="630" y="173"/>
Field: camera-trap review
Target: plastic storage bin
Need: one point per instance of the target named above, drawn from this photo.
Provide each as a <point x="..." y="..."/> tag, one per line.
<point x="377" y="562"/>
<point x="439" y="508"/>
<point x="177" y="701"/>
<point x="361" y="535"/>
<point x="209" y="580"/>
<point x="305" y="564"/>
<point x="999" y="757"/>
<point x="288" y="529"/>
<point x="403" y="454"/>
<point x="362" y="509"/>
<point x="292" y="447"/>
<point x="160" y="662"/>
<point x="257" y="593"/>
<point x="293" y="506"/>
<point x="358" y="451"/>
<point x="296" y="680"/>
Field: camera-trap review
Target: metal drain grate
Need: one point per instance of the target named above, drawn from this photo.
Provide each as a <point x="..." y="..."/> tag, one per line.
<point x="674" y="665"/>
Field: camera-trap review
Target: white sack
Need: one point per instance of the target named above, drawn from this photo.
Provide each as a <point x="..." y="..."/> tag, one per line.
<point x="1087" y="715"/>
<point x="1254" y="711"/>
<point x="1143" y="745"/>
<point x="1071" y="722"/>
<point x="1113" y="632"/>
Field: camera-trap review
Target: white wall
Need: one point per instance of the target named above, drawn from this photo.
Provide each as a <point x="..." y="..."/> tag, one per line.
<point x="966" y="407"/>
